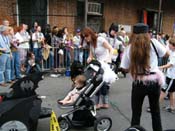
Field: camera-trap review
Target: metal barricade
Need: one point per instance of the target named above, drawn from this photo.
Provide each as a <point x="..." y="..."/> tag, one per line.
<point x="61" y="59"/>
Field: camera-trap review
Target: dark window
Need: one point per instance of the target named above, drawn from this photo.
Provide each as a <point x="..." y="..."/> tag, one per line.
<point x="31" y="11"/>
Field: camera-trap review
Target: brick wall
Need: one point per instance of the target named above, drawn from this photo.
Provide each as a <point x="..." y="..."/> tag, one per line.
<point x="63" y="13"/>
<point x="8" y="11"/>
<point x="168" y="16"/>
<point x="127" y="12"/>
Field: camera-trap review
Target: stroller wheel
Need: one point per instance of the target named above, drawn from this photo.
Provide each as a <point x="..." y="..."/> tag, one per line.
<point x="14" y="126"/>
<point x="64" y="124"/>
<point x="103" y="123"/>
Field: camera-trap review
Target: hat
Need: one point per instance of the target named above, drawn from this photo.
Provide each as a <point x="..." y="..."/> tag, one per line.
<point x="140" y="28"/>
<point x="3" y="28"/>
<point x="114" y="26"/>
<point x="78" y="30"/>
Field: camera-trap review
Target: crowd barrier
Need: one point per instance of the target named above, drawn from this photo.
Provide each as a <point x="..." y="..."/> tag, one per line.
<point x="56" y="58"/>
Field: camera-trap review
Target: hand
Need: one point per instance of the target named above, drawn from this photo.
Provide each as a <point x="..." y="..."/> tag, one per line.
<point x="89" y="60"/>
<point x="11" y="56"/>
<point x="160" y="68"/>
<point x="3" y="49"/>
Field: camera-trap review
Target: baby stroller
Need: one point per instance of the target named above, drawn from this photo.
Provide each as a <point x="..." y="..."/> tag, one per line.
<point x="83" y="111"/>
<point x="21" y="108"/>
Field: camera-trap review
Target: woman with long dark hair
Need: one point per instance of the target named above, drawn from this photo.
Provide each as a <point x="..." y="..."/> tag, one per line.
<point x="141" y="60"/>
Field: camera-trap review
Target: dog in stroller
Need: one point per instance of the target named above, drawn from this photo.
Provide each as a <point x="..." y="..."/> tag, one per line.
<point x="20" y="107"/>
<point x="83" y="112"/>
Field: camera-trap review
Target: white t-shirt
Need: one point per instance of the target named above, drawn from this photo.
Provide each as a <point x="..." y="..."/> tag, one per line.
<point x="37" y="36"/>
<point x="77" y="40"/>
<point x="23" y="40"/>
<point x="125" y="63"/>
<point x="100" y="52"/>
<point x="171" y="70"/>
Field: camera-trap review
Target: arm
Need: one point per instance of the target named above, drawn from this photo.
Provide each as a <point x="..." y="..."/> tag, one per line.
<point x="167" y="54"/>
<point x="3" y="49"/>
<point x="125" y="62"/>
<point x="90" y="56"/>
<point x="69" y="101"/>
<point x="109" y="47"/>
<point x="67" y="97"/>
<point x="165" y="66"/>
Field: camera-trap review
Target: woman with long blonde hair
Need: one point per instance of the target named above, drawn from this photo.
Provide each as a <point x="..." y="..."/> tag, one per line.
<point x="141" y="60"/>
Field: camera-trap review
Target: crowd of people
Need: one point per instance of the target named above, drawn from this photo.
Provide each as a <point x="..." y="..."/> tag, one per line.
<point x="52" y="48"/>
<point x="24" y="51"/>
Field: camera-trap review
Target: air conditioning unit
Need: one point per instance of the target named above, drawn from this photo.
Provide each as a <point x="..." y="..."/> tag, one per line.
<point x="94" y="8"/>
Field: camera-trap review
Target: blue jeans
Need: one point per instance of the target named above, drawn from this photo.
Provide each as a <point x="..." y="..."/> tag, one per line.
<point x="103" y="94"/>
<point x="15" y="66"/>
<point x="38" y="54"/>
<point x="68" y="59"/>
<point x="78" y="55"/>
<point x="5" y="68"/>
<point x="51" y="59"/>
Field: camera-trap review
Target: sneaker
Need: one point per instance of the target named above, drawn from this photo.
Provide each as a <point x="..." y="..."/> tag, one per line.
<point x="169" y="109"/>
<point x="166" y="98"/>
<point x="54" y="75"/>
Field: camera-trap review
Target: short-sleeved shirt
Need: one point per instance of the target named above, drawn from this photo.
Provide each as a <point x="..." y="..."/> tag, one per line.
<point x="100" y="52"/>
<point x="171" y="70"/>
<point x="23" y="39"/>
<point x="161" y="50"/>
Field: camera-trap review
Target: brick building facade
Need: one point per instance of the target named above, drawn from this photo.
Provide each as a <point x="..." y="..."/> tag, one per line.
<point x="71" y="13"/>
<point x="128" y="12"/>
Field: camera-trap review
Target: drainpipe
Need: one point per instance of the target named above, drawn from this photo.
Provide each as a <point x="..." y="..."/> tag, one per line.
<point x="159" y="15"/>
<point x="17" y="13"/>
<point x="86" y="11"/>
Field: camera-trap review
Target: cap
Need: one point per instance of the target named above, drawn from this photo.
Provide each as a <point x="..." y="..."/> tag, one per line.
<point x="3" y="28"/>
<point x="140" y="28"/>
<point x="78" y="30"/>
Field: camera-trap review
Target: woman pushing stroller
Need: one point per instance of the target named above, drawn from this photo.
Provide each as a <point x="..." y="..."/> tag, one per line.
<point x="102" y="51"/>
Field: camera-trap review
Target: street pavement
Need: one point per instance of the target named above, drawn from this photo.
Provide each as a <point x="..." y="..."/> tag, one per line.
<point x="120" y="104"/>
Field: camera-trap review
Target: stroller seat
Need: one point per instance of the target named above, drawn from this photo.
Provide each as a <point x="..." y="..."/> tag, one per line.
<point x="93" y="73"/>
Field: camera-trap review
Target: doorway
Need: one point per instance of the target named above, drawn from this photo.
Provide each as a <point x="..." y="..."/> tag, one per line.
<point x="150" y="17"/>
<point x="31" y="11"/>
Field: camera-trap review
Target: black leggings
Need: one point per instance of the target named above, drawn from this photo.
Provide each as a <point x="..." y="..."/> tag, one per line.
<point x="139" y="91"/>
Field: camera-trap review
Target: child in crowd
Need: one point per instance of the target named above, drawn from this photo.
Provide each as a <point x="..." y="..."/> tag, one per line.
<point x="79" y="82"/>
<point x="32" y="66"/>
<point x="170" y="77"/>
